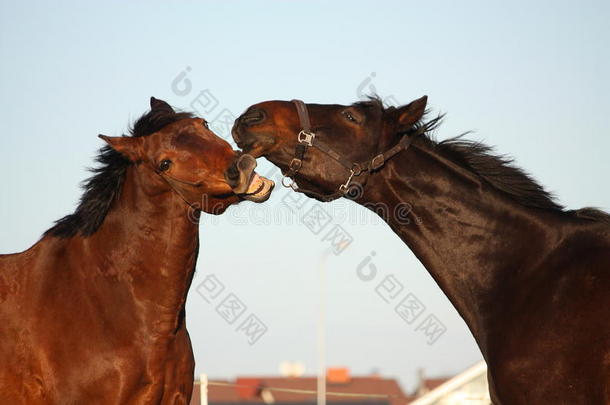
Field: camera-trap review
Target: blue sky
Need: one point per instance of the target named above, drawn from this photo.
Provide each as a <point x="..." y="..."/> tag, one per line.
<point x="530" y="78"/>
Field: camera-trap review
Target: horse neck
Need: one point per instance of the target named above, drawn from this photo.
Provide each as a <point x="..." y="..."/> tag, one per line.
<point x="475" y="242"/>
<point x="149" y="242"/>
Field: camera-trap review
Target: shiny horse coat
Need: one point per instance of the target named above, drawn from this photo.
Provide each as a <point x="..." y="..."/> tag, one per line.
<point x="94" y="312"/>
<point x="530" y="279"/>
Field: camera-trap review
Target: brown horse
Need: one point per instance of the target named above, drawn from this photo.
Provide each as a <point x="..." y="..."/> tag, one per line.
<point x="94" y="313"/>
<point x="531" y="279"/>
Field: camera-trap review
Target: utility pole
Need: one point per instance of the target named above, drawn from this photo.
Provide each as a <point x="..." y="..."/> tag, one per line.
<point x="321" y="385"/>
<point x="203" y="389"/>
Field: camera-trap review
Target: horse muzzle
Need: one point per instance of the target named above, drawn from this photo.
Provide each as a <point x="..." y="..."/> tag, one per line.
<point x="248" y="184"/>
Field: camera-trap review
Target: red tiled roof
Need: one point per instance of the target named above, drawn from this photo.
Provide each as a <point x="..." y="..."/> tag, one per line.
<point x="432" y="383"/>
<point x="360" y="385"/>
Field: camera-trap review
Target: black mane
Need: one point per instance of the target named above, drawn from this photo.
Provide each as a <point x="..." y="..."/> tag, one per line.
<point x="497" y="170"/>
<point x="103" y="187"/>
<point x="501" y="173"/>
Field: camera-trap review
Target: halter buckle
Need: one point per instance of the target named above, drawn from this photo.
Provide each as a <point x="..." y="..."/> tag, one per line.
<point x="377" y="162"/>
<point x="295" y="165"/>
<point x="306" y="138"/>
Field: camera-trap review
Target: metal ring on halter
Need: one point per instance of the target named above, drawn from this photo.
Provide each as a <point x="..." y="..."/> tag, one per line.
<point x="289" y="185"/>
<point x="377" y="161"/>
<point x="292" y="183"/>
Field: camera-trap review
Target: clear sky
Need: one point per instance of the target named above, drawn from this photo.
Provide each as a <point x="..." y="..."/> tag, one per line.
<point x="528" y="77"/>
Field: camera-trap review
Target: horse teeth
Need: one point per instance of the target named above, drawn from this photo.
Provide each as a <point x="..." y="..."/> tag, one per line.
<point x="259" y="188"/>
<point x="255" y="183"/>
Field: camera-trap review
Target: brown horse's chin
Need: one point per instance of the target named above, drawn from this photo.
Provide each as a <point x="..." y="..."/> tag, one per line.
<point x="255" y="151"/>
<point x="218" y="205"/>
<point x="254" y="148"/>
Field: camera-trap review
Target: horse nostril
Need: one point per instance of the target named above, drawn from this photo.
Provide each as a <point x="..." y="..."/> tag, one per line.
<point x="232" y="175"/>
<point x="240" y="173"/>
<point x="246" y="163"/>
<point x="252" y="116"/>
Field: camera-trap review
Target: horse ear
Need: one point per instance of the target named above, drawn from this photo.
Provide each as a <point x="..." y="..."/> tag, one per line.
<point x="128" y="146"/>
<point x="157" y="104"/>
<point x="409" y="114"/>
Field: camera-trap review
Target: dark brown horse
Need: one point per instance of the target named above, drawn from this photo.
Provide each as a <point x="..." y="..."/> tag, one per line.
<point x="94" y="313"/>
<point x="531" y="279"/>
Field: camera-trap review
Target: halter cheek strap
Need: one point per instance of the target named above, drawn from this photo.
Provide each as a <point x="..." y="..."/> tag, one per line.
<point x="307" y="138"/>
<point x="174" y="183"/>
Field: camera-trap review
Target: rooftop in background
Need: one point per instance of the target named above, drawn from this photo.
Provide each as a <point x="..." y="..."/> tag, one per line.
<point x="376" y="390"/>
<point x="470" y="385"/>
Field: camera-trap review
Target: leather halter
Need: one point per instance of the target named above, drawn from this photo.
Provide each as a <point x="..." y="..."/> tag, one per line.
<point x="308" y="138"/>
<point x="172" y="182"/>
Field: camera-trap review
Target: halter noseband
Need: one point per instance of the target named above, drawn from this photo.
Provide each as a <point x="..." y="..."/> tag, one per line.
<point x="307" y="138"/>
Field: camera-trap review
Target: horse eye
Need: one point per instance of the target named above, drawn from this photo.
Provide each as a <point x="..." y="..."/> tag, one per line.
<point x="164" y="165"/>
<point x="349" y="116"/>
<point x="205" y="124"/>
